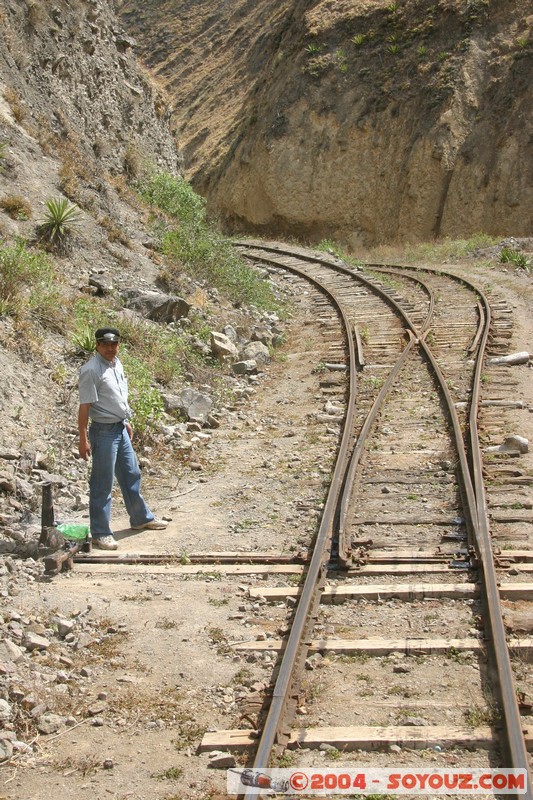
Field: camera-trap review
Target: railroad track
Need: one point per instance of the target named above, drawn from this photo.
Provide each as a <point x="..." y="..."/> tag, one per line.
<point x="394" y="635"/>
<point x="405" y="544"/>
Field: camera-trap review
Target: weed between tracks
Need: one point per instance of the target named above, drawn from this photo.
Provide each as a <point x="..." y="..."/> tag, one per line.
<point x="477" y="716"/>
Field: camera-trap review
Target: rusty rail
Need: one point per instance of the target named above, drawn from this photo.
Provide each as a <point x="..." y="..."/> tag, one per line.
<point x="477" y="525"/>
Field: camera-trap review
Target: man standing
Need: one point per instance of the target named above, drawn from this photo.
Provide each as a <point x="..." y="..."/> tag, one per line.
<point x="104" y="400"/>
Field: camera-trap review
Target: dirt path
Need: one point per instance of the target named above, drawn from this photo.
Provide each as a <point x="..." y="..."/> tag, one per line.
<point x="142" y="669"/>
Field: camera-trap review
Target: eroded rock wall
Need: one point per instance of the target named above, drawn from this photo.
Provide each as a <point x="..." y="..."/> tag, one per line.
<point x="68" y="73"/>
<point x="365" y="121"/>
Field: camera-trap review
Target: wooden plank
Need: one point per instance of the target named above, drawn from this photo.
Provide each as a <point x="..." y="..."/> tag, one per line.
<point x="228" y="740"/>
<point x="360" y="737"/>
<point x="404" y="591"/>
<point x="512" y="516"/>
<point x="383" y="647"/>
<point x="250" y="569"/>
<point x="192" y="569"/>
<point x="409" y="737"/>
<point x="436" y="519"/>
<point x="518" y="555"/>
<point x="516" y="591"/>
<point x="375" y="554"/>
<point x="519" y="567"/>
<point x="397" y="569"/>
<point x="372" y="647"/>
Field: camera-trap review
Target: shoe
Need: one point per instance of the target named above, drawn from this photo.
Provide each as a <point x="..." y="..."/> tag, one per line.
<point x="104" y="542"/>
<point x="151" y="525"/>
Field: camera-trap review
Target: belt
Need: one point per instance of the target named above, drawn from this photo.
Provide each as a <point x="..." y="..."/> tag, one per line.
<point x="108" y="424"/>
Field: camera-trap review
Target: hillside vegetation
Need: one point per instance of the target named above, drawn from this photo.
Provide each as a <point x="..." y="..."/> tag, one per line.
<point x="95" y="221"/>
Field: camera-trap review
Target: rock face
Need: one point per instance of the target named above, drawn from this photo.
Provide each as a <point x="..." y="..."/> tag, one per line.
<point x="68" y="73"/>
<point x="369" y="122"/>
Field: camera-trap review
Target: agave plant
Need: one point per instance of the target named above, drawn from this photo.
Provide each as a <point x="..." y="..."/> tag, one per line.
<point x="59" y="221"/>
<point x="83" y="341"/>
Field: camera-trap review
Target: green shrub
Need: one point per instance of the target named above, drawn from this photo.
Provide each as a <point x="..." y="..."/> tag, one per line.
<point x="515" y="257"/>
<point x="144" y="398"/>
<point x="28" y="284"/>
<point x="60" y="219"/>
<point x="341" y="60"/>
<point x="329" y="246"/>
<point x="163" y="350"/>
<point x="196" y="246"/>
<point x="87" y="314"/>
<point x="84" y="341"/>
<point x="449" y="248"/>
<point x="175" y="197"/>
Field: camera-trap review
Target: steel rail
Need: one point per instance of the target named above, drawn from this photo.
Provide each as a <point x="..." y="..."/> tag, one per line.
<point x="398" y="270"/>
<point x="478" y="513"/>
<point x="477" y="518"/>
<point x="516" y="745"/>
<point x="309" y="598"/>
<point x="343" y="549"/>
<point x="192" y="558"/>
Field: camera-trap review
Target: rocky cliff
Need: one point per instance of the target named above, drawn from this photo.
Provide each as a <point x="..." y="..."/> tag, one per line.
<point x="69" y="77"/>
<point x="365" y="121"/>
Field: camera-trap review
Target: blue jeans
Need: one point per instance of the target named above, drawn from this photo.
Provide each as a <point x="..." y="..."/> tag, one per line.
<point x="113" y="455"/>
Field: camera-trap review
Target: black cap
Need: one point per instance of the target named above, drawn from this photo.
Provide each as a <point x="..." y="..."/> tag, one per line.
<point x="107" y="335"/>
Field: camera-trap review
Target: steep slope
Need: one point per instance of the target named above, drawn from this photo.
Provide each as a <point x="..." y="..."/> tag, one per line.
<point x="69" y="77"/>
<point x="366" y="121"/>
<point x="212" y="59"/>
<point x="76" y="116"/>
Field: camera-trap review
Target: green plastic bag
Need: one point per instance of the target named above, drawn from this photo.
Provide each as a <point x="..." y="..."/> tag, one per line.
<point x="73" y="530"/>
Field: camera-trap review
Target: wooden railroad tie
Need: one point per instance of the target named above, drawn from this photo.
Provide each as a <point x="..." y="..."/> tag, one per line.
<point x="403" y="591"/>
<point x="384" y="647"/>
<point x="366" y="738"/>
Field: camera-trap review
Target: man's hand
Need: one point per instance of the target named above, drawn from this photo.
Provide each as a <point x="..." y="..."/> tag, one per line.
<point x="84" y="448"/>
<point x="129" y="429"/>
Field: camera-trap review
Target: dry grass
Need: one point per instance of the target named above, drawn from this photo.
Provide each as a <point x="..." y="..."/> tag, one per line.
<point x="109" y="647"/>
<point x="73" y="172"/>
<point x="151" y="705"/>
<point x="86" y="764"/>
<point x="36" y="13"/>
<point x="16" y="207"/>
<point x="114" y="231"/>
<point x="77" y="169"/>
<point x="16" y="105"/>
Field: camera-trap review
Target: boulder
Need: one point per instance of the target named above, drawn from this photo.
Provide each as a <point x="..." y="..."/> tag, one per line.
<point x="261" y="333"/>
<point x="194" y="404"/>
<point x="156" y="306"/>
<point x="256" y="351"/>
<point x="222" y="347"/>
<point x="248" y="367"/>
